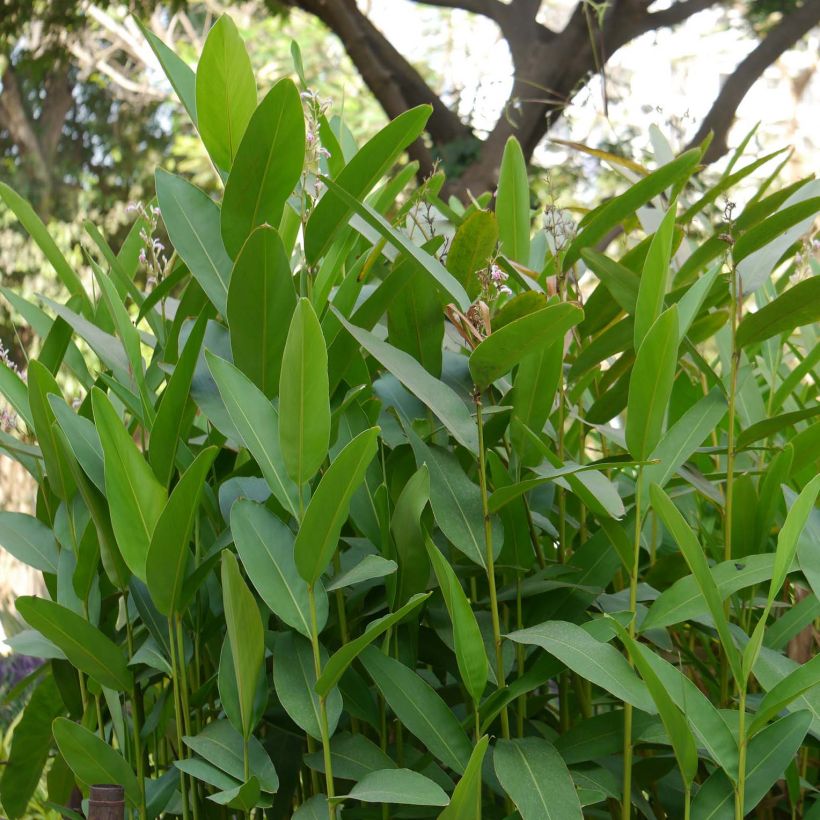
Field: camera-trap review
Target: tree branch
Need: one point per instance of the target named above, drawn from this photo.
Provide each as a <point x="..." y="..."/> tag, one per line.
<point x="787" y="33"/>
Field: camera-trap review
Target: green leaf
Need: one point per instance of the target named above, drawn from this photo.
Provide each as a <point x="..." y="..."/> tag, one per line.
<point x="650" y="385"/>
<point x="93" y="760"/>
<point x="622" y="282"/>
<point x="294" y="676"/>
<point x="436" y="395"/>
<point x="465" y="803"/>
<point x="206" y="772"/>
<point x="342" y="658"/>
<point x="408" y="536"/>
<point x="243" y="797"/>
<point x="419" y="708"/>
<point x="220" y="744"/>
<point x="314" y="809"/>
<point x="169" y="552"/>
<point x="399" y="786"/>
<point x="655" y="277"/>
<point x="352" y="757"/>
<point x="246" y="635"/>
<point x="304" y="419"/>
<point x="225" y="92"/>
<point x="28" y="540"/>
<point x="357" y="178"/>
<point x="265" y="545"/>
<point x="327" y="511"/>
<point x="369" y="568"/>
<point x="696" y="560"/>
<point x="769" y="229"/>
<point x="30" y="747"/>
<point x="82" y="643"/>
<point x="40" y="234"/>
<point x="798" y="306"/>
<point x="261" y="301"/>
<point x="795" y="684"/>
<point x="512" y="204"/>
<point x="592" y="659"/>
<point x="471" y="656"/>
<point x="135" y="497"/>
<point x="534" y="775"/>
<point x="229" y="690"/>
<point x="506" y="347"/>
<point x="774" y="424"/>
<point x="257" y="422"/>
<point x="192" y="220"/>
<point x="472" y="249"/>
<point x="683" y="743"/>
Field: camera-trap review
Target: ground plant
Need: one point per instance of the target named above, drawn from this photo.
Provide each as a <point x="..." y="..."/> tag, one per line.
<point x="356" y="501"/>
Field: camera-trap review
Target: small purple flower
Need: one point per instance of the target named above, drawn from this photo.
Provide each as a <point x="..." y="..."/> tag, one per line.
<point x="310" y="137"/>
<point x="505" y="290"/>
<point x="323" y="152"/>
<point x="143" y="257"/>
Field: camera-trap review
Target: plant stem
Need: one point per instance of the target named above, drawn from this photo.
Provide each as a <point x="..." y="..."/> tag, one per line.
<point x="687" y="801"/>
<point x="323" y="726"/>
<point x="740" y="794"/>
<point x="135" y="715"/>
<point x="490" y="561"/>
<point x="178" y="717"/>
<point x="186" y="708"/>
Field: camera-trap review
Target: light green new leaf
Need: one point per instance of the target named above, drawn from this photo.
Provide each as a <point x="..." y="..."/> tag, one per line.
<point x="696" y="560"/>
<point x="472" y="248"/>
<point x="655" y="277"/>
<point x="304" y="408"/>
<point x="465" y="802"/>
<point x="28" y="540"/>
<point x="225" y="92"/>
<point x="471" y="656"/>
<point x="650" y="385"/>
<point x="82" y="643"/>
<point x="399" y="786"/>
<point x="506" y="347"/>
<point x="135" y="497"/>
<point x="327" y="511"/>
<point x="267" y="166"/>
<point x="797" y="306"/>
<point x="420" y="709"/>
<point x="192" y="220"/>
<point x="92" y="760"/>
<point x="534" y="775"/>
<point x="265" y="545"/>
<point x="261" y="301"/>
<point x="257" y="422"/>
<point x="169" y="552"/>
<point x="512" y="204"/>
<point x="246" y="635"/>
<point x="342" y="658"/>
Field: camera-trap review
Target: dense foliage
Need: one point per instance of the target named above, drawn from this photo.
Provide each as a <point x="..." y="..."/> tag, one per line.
<point x="376" y="504"/>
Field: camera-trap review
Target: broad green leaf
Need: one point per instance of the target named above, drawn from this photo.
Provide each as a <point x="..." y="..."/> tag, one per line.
<point x="534" y="775"/>
<point x="267" y="166"/>
<point x="696" y="560"/>
<point x="439" y="276"/>
<point x="436" y="395"/>
<point x="805" y="677"/>
<point x="592" y="659"/>
<point x="225" y="92"/>
<point x="261" y="301"/>
<point x="294" y="676"/>
<point x="352" y="757"/>
<point x="169" y="552"/>
<point x="342" y="658"/>
<point x="773" y="226"/>
<point x="29" y="749"/>
<point x="135" y="497"/>
<point x="691" y="303"/>
<point x="420" y="709"/>
<point x="28" y="540"/>
<point x="327" y="511"/>
<point x="471" y="656"/>
<point x="399" y="786"/>
<point x="770" y="426"/>
<point x="175" y="412"/>
<point x="357" y="178"/>
<point x="408" y="537"/>
<point x="795" y="307"/>
<point x="465" y="802"/>
<point x="506" y="347"/>
<point x="257" y="422"/>
<point x="369" y="568"/>
<point x="265" y="545"/>
<point x="14" y="390"/>
<point x="229" y="689"/>
<point x="314" y="809"/>
<point x="683" y="743"/>
<point x="304" y="409"/>
<point x="622" y="282"/>
<point x="472" y="248"/>
<point x="40" y="234"/>
<point x="192" y="220"/>
<point x="655" y="277"/>
<point x="650" y="385"/>
<point x="206" y="772"/>
<point x="246" y="635"/>
<point x="220" y="744"/>
<point x="83" y="644"/>
<point x="243" y="797"/>
<point x="93" y="760"/>
<point x="512" y="204"/>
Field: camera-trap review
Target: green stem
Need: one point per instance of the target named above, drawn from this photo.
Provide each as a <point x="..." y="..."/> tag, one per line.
<point x="740" y="794"/>
<point x="186" y="708"/>
<point x="687" y="801"/>
<point x="323" y="725"/>
<point x="490" y="561"/>
<point x="136" y="722"/>
<point x="183" y="786"/>
<point x="100" y="727"/>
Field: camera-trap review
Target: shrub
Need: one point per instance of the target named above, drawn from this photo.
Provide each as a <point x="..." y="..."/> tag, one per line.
<point x="372" y="499"/>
